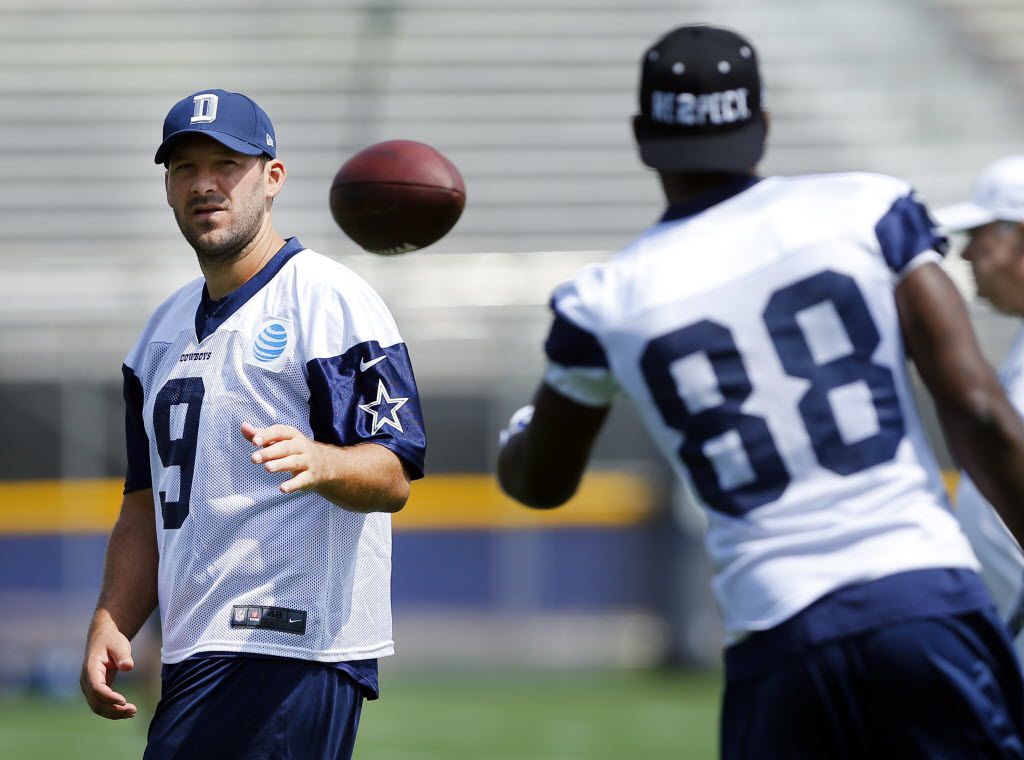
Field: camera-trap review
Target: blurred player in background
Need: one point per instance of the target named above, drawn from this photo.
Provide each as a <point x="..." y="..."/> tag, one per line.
<point x="757" y="328"/>
<point x="272" y="423"/>
<point x="994" y="222"/>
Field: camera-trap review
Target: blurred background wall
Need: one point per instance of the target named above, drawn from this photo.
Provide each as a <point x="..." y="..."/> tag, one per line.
<point x="532" y="100"/>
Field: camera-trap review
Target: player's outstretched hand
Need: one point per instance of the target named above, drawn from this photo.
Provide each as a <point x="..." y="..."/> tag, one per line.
<point x="283" y="448"/>
<point x="106" y="652"/>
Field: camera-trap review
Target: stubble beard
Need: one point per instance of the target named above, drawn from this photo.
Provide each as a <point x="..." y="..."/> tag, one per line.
<point x="226" y="244"/>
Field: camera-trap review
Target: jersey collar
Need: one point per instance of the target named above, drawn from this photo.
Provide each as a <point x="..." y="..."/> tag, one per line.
<point x="212" y="314"/>
<point x="704" y="201"/>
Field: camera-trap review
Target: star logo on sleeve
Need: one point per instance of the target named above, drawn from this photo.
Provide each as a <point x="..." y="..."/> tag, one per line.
<point x="384" y="410"/>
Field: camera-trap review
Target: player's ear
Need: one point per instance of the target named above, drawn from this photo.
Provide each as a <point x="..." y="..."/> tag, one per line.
<point x="167" y="187"/>
<point x="1018" y="237"/>
<point x="275" y="174"/>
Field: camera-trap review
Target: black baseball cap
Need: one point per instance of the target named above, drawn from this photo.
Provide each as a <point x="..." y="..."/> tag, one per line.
<point x="230" y="118"/>
<point x="700" y="102"/>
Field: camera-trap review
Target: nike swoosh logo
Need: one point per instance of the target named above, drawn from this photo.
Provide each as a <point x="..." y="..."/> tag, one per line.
<point x="365" y="365"/>
<point x="296" y="620"/>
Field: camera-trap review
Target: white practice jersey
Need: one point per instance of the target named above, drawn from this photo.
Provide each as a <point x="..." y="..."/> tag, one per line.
<point x="759" y="339"/>
<point x="244" y="567"/>
<point x="1002" y="563"/>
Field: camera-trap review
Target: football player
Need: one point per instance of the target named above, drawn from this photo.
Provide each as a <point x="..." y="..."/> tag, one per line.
<point x="272" y="425"/>
<point x="994" y="222"/>
<point x="759" y="328"/>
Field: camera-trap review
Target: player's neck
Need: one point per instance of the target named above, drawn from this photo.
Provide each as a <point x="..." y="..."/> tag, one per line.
<point x="683" y="187"/>
<point x="222" y="279"/>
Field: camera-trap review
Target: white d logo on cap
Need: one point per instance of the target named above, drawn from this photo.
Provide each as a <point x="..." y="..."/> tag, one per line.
<point x="206" y="108"/>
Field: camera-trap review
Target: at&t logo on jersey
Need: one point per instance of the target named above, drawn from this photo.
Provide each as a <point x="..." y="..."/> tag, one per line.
<point x="272" y="344"/>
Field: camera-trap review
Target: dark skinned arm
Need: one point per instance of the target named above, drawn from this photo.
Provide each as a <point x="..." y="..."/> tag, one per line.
<point x="542" y="466"/>
<point x="983" y="430"/>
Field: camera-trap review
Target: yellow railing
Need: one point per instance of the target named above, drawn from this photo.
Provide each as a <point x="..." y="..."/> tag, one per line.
<point x="439" y="502"/>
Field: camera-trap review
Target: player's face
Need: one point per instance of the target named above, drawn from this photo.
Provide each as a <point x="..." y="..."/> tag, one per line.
<point x="996" y="254"/>
<point x="221" y="199"/>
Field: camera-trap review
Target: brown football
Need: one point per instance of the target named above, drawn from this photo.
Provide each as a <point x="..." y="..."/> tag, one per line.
<point x="397" y="196"/>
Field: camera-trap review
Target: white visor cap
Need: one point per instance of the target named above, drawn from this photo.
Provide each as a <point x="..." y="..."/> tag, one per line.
<point x="998" y="194"/>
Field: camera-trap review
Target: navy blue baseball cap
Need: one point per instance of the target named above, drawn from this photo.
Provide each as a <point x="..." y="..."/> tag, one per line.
<point x="230" y="118"/>
<point x="700" y="102"/>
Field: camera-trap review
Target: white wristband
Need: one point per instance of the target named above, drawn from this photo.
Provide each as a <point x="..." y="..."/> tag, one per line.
<point x="517" y="424"/>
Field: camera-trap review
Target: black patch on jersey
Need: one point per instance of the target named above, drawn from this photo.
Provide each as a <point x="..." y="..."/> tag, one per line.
<point x="274" y="618"/>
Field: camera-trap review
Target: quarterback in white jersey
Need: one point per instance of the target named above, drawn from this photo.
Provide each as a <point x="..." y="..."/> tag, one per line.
<point x="994" y="221"/>
<point x="304" y="341"/>
<point x="759" y="329"/>
<point x="272" y="423"/>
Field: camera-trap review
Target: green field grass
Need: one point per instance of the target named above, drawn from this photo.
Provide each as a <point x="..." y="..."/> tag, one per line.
<point x="498" y="715"/>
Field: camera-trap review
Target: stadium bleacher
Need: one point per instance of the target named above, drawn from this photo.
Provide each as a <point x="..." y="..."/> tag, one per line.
<point x="530" y="98"/>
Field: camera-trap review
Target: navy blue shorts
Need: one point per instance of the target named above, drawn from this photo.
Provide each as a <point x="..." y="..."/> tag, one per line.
<point x="239" y="707"/>
<point x="937" y="687"/>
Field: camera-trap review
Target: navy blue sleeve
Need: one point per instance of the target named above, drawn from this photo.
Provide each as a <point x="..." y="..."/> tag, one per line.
<point x="368" y="395"/>
<point x="906" y="230"/>
<point x="136" y="441"/>
<point x="572" y="346"/>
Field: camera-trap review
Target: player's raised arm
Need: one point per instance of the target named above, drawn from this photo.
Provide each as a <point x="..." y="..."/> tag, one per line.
<point x="545" y="448"/>
<point x="127" y="598"/>
<point x="984" y="432"/>
<point x="545" y="451"/>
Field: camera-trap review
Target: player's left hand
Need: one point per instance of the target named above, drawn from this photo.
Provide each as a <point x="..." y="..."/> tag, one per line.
<point x="283" y="448"/>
